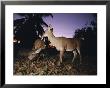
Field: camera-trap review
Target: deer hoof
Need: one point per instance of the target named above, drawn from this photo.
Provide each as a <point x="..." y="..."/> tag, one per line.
<point x="58" y="63"/>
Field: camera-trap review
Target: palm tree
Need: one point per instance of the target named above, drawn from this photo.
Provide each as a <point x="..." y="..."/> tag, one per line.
<point x="29" y="27"/>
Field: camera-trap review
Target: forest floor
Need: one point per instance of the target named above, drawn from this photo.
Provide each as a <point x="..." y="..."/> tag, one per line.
<point x="47" y="66"/>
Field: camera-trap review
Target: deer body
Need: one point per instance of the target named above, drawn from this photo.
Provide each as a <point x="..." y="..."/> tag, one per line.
<point x="63" y="44"/>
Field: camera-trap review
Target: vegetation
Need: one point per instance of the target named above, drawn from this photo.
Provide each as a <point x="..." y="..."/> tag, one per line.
<point x="47" y="66"/>
<point x="29" y="28"/>
<point x="88" y="39"/>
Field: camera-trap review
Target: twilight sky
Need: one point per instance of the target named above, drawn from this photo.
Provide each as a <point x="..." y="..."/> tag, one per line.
<point x="65" y="24"/>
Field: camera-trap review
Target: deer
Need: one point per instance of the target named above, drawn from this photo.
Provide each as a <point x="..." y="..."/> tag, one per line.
<point x="63" y="44"/>
<point x="36" y="49"/>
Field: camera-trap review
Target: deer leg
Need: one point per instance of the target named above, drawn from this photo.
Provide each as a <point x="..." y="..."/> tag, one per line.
<point x="38" y="51"/>
<point x="78" y="50"/>
<point x="33" y="54"/>
<point x="74" y="52"/>
<point x="61" y="56"/>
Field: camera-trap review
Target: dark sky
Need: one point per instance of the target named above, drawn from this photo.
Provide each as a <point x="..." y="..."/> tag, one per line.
<point x="65" y="24"/>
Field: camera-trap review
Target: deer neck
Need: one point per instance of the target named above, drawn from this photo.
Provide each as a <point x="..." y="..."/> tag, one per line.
<point x="52" y="38"/>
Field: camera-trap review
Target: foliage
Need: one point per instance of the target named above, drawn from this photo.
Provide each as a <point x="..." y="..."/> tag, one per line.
<point x="30" y="27"/>
<point x="89" y="36"/>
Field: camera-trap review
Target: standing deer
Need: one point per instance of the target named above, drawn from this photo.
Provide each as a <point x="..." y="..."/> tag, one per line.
<point x="63" y="44"/>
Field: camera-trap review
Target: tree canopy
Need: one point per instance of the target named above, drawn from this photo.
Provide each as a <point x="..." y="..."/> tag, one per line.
<point x="30" y="27"/>
<point x="89" y="36"/>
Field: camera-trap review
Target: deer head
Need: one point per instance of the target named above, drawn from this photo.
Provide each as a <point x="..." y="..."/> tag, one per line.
<point x="48" y="31"/>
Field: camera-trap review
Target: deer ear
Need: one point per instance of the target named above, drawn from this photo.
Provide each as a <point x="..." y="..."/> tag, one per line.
<point x="51" y="29"/>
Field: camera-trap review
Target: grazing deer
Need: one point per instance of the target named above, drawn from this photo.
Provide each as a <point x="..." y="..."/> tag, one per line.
<point x="63" y="44"/>
<point x="37" y="47"/>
